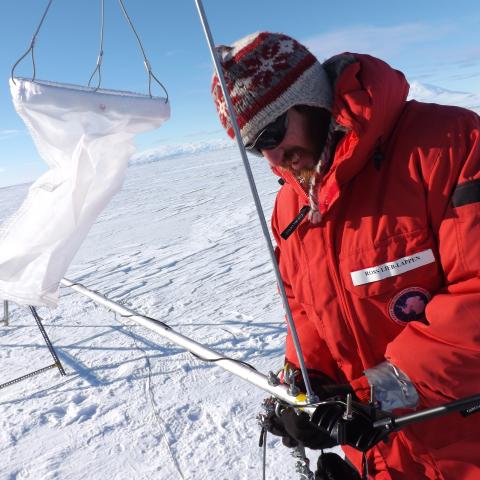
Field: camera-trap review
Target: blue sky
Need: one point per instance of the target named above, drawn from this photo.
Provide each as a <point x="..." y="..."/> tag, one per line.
<point x="435" y="42"/>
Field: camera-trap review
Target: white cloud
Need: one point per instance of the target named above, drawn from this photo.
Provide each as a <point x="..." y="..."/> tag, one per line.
<point x="7" y="134"/>
<point x="383" y="42"/>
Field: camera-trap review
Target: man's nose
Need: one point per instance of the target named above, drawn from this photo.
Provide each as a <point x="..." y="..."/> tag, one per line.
<point x="274" y="156"/>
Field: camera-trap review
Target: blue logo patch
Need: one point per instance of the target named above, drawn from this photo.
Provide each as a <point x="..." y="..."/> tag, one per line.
<point x="409" y="305"/>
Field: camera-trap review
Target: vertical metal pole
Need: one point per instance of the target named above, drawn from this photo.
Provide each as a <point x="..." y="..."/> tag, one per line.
<point x="5" y="312"/>
<point x="310" y="396"/>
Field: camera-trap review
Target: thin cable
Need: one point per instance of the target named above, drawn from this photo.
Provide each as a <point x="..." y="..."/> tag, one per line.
<point x="256" y="199"/>
<point x="264" y="459"/>
<point x="364" y="466"/>
<point x="145" y="59"/>
<point x="207" y="360"/>
<point x="213" y="360"/>
<point x="98" y="67"/>
<point x="160" y="421"/>
<point x="31" y="47"/>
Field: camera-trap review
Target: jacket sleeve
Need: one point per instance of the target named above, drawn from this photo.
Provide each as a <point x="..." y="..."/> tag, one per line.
<point x="446" y="360"/>
<point x="317" y="357"/>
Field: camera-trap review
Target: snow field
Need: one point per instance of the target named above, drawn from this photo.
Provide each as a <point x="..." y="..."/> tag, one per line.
<point x="181" y="242"/>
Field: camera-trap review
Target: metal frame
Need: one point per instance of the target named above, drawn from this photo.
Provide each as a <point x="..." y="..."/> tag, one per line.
<point x="57" y="363"/>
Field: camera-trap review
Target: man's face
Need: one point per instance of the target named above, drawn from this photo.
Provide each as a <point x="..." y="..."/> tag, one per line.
<point x="300" y="149"/>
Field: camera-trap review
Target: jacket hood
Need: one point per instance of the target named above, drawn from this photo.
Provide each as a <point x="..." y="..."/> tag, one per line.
<point x="369" y="97"/>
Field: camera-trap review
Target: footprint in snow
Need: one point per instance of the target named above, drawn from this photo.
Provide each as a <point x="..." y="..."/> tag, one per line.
<point x="53" y="416"/>
<point x="78" y="398"/>
<point x="80" y="415"/>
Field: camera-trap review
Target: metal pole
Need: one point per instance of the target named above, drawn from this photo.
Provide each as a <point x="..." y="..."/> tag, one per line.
<point x="231" y="365"/>
<point x="37" y="318"/>
<point x="467" y="406"/>
<point x="28" y="375"/>
<point x="310" y="395"/>
<point x="5" y="313"/>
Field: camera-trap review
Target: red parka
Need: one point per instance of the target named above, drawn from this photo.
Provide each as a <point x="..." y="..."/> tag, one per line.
<point x="400" y="230"/>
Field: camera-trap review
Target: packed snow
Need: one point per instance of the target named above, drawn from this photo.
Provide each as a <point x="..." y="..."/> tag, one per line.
<point x="181" y="243"/>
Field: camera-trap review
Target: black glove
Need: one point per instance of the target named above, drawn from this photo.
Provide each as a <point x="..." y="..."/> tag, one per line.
<point x="299" y="429"/>
<point x="332" y="467"/>
<point x="322" y="385"/>
<point x="294" y="427"/>
<point x="330" y="391"/>
<point x="357" y="432"/>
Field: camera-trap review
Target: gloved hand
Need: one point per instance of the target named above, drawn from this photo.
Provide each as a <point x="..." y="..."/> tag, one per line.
<point x="322" y="385"/>
<point x="332" y="467"/>
<point x="330" y="391"/>
<point x="357" y="432"/>
<point x="294" y="427"/>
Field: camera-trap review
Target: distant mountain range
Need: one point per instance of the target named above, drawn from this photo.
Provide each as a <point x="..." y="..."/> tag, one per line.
<point x="424" y="92"/>
<point x="168" y="151"/>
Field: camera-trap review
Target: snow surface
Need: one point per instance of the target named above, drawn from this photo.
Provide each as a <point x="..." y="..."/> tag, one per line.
<point x="181" y="242"/>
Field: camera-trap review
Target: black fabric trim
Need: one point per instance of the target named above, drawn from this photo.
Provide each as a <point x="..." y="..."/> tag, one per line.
<point x="295" y="222"/>
<point x="466" y="193"/>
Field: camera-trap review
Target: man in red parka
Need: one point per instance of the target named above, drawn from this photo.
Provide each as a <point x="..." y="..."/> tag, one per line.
<point x="377" y="225"/>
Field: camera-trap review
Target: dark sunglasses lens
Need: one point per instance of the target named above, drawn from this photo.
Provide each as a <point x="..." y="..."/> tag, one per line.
<point x="270" y="137"/>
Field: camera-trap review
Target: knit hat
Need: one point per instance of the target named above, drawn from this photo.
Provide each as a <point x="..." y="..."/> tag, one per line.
<point x="267" y="74"/>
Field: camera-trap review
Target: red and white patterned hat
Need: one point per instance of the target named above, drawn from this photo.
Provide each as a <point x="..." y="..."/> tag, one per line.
<point x="267" y="74"/>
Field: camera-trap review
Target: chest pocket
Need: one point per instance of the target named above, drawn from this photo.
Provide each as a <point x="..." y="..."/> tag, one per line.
<point x="398" y="263"/>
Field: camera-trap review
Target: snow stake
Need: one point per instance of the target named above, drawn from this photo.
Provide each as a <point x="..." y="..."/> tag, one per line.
<point x="5" y="313"/>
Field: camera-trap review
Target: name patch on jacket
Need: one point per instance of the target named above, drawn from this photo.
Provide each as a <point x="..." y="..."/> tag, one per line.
<point x="392" y="269"/>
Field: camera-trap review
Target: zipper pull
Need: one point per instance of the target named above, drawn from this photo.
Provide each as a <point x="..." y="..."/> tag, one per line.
<point x="295" y="222"/>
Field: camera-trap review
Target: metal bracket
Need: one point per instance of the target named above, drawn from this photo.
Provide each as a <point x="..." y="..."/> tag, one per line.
<point x="302" y="465"/>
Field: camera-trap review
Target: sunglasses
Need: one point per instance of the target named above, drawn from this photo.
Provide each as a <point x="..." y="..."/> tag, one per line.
<point x="270" y="137"/>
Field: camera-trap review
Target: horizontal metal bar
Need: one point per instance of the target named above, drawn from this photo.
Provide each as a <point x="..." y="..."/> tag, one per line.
<point x="28" y="375"/>
<point x="233" y="366"/>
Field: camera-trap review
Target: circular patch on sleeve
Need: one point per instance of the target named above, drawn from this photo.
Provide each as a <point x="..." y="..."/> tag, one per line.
<point x="409" y="305"/>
